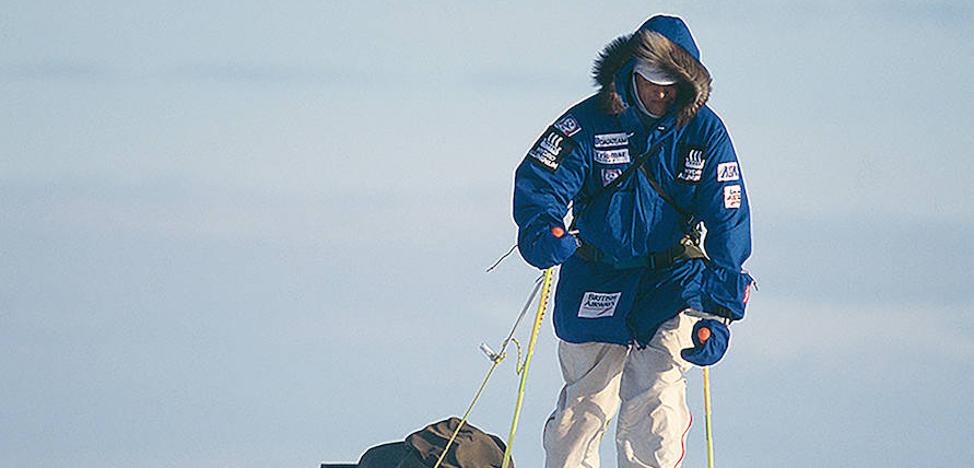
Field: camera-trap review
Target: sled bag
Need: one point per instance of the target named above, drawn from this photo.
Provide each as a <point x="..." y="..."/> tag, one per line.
<point x="472" y="448"/>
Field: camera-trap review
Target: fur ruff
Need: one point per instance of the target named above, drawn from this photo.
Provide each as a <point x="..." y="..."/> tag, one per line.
<point x="652" y="47"/>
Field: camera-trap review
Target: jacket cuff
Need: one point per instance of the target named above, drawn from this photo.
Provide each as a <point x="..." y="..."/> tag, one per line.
<point x="705" y="316"/>
<point x="530" y="242"/>
<point x="725" y="292"/>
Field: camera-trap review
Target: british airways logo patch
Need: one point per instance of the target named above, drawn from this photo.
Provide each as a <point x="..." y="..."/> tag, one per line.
<point x="598" y="305"/>
<point x="694" y="159"/>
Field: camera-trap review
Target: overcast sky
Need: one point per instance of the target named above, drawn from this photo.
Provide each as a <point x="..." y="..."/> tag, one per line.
<point x="254" y="234"/>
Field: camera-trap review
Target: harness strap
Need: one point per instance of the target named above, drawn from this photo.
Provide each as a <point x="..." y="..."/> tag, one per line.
<point x="653" y="261"/>
<point x="693" y="233"/>
<point x="687" y="216"/>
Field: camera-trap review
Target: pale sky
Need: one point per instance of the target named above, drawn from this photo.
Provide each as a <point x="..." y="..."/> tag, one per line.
<point x="254" y="234"/>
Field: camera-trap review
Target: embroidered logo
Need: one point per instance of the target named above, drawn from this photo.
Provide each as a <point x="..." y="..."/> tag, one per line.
<point x="693" y="162"/>
<point x="598" y="305"/>
<point x="551" y="148"/>
<point x="608" y="175"/>
<point x="568" y="125"/>
<point x="732" y="196"/>
<point x="727" y="172"/>
<point x="615" y="156"/>
<point x="610" y="140"/>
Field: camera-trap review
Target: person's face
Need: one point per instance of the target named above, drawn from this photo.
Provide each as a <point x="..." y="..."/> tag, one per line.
<point x="657" y="99"/>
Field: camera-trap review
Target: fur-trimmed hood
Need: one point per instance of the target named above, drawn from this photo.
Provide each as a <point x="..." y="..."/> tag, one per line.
<point x="663" y="41"/>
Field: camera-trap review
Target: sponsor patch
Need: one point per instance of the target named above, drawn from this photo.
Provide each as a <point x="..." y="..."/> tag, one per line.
<point x="598" y="305"/>
<point x="615" y="156"/>
<point x="612" y="140"/>
<point x="693" y="162"/>
<point x="608" y="175"/>
<point x="732" y="196"/>
<point x="727" y="172"/>
<point x="568" y="125"/>
<point x="551" y="148"/>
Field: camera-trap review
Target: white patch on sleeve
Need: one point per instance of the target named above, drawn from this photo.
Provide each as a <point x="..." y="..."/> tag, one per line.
<point x="598" y="305"/>
<point x="549" y="149"/>
<point x="727" y="172"/>
<point x="568" y="125"/>
<point x="732" y="196"/>
<point x="692" y="166"/>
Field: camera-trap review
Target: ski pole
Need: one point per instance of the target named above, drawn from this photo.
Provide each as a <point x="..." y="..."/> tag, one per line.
<point x="703" y="334"/>
<point x="706" y="408"/>
<point x="539" y="316"/>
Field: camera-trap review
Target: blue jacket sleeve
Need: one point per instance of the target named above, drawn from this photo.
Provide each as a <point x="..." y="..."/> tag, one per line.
<point x="545" y="182"/>
<point x="721" y="202"/>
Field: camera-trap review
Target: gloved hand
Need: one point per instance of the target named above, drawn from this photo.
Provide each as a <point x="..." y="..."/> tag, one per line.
<point x="553" y="248"/>
<point x="709" y="345"/>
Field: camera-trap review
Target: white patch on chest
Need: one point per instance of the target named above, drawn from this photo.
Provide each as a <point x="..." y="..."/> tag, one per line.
<point x="599" y="305"/>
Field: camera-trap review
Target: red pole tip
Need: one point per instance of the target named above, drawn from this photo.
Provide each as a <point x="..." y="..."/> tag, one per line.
<point x="703" y="334"/>
<point x="558" y="231"/>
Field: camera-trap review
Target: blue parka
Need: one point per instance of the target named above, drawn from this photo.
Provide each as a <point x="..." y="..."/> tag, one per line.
<point x="613" y="299"/>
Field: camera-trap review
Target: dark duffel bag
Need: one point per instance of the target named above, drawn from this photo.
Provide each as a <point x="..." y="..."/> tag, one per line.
<point x="472" y="448"/>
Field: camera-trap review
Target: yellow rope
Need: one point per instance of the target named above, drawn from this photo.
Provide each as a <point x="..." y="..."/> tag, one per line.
<point x="520" y="364"/>
<point x="518" y="368"/>
<point x="496" y="359"/>
<point x="469" y="409"/>
<point x="542" y="305"/>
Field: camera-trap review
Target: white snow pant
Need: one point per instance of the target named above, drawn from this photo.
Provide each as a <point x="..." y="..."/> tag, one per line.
<point x="648" y="383"/>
